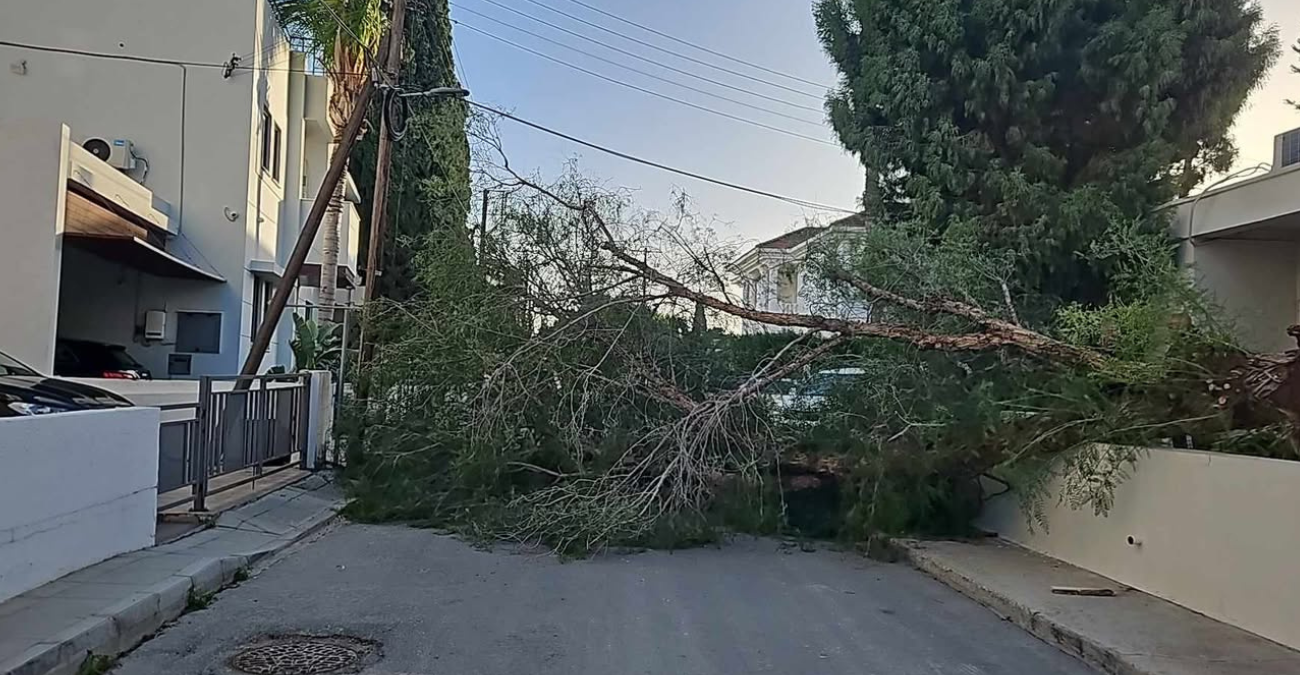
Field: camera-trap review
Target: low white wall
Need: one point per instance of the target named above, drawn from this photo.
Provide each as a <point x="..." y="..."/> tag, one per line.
<point x="75" y="489"/>
<point x="1216" y="533"/>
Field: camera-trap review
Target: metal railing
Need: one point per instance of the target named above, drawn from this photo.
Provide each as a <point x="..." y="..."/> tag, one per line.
<point x="231" y="430"/>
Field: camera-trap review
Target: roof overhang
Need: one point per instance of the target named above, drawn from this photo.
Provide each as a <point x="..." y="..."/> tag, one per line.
<point x="139" y="254"/>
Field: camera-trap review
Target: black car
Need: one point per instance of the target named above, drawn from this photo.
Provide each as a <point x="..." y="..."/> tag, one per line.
<point x="24" y="392"/>
<point x="83" y="358"/>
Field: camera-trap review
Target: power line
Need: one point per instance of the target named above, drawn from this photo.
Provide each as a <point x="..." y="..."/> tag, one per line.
<point x="520" y="120"/>
<point x="641" y="58"/>
<point x="651" y="92"/>
<point x="149" y="59"/>
<point x="364" y="47"/>
<point x="663" y="167"/>
<point x="652" y="75"/>
<point x="693" y="45"/>
<point x="642" y="42"/>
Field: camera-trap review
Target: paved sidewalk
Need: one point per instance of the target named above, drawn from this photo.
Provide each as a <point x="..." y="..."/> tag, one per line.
<point x="1132" y="633"/>
<point x="108" y="608"/>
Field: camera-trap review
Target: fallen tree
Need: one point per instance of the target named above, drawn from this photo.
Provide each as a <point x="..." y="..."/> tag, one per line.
<point x="567" y="400"/>
<point x="561" y="386"/>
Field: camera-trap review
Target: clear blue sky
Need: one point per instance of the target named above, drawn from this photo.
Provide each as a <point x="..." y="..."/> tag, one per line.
<point x="778" y="34"/>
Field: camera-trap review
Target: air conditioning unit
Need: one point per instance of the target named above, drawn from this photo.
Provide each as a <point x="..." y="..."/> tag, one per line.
<point x="117" y="152"/>
<point x="155" y="324"/>
<point x="1286" y="149"/>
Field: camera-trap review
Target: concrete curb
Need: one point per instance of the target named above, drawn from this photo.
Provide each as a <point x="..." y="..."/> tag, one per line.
<point x="1034" y="622"/>
<point x="120" y="627"/>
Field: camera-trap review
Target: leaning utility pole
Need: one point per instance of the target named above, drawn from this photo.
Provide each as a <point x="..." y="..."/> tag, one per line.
<point x="338" y="164"/>
<point x="384" y="158"/>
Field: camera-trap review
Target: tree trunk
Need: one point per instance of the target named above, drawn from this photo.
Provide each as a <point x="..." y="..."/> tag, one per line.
<point x="329" y="266"/>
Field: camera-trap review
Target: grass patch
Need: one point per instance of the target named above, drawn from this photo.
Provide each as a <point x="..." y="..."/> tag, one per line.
<point x="96" y="664"/>
<point x="197" y="600"/>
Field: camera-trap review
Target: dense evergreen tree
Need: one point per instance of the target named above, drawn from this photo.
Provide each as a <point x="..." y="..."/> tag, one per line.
<point x="1036" y="124"/>
<point x="429" y="189"/>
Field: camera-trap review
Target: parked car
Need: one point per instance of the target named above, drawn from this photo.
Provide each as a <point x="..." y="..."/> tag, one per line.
<point x="23" y="391"/>
<point x="795" y="396"/>
<point x="83" y="358"/>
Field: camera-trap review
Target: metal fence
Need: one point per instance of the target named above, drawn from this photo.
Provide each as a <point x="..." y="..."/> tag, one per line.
<point x="230" y="429"/>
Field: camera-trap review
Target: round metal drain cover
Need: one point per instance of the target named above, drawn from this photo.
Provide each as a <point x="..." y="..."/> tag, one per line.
<point x="301" y="655"/>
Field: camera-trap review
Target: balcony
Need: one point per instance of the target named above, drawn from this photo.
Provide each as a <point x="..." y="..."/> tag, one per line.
<point x="349" y="241"/>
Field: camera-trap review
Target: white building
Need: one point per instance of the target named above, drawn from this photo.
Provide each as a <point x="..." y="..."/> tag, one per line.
<point x="210" y="174"/>
<point x="1242" y="244"/>
<point x="774" y="276"/>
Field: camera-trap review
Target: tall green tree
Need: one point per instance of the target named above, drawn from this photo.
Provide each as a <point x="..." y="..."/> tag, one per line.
<point x="342" y="34"/>
<point x="1034" y="125"/>
<point x="429" y="187"/>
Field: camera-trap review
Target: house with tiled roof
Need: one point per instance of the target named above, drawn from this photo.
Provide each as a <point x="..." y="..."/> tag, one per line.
<point x="774" y="275"/>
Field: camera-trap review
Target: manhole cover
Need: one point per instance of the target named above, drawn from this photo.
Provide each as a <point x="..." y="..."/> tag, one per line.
<point x="301" y="655"/>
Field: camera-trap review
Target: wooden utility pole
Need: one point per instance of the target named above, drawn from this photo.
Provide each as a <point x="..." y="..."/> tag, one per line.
<point x="384" y="158"/>
<point x="338" y="164"/>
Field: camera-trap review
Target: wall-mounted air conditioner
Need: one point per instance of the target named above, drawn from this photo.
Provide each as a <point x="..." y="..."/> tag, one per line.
<point x="117" y="152"/>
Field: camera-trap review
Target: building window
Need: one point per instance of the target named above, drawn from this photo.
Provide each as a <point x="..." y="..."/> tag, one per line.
<point x="262" y="292"/>
<point x="275" y="159"/>
<point x="787" y="284"/>
<point x="271" y="139"/>
<point x="198" y="332"/>
<point x="266" y="139"/>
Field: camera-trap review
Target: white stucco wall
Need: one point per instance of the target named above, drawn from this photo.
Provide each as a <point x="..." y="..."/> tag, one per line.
<point x="199" y="132"/>
<point x="1254" y="284"/>
<point x="33" y="171"/>
<point x="75" y="489"/>
<point x="1216" y="534"/>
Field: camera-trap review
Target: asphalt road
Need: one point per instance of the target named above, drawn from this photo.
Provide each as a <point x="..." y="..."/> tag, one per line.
<point x="438" y="606"/>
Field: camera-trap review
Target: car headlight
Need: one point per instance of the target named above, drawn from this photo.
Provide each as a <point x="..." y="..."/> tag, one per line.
<point x="25" y="408"/>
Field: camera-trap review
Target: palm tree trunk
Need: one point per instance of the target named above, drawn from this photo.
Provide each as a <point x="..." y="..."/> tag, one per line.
<point x="329" y="267"/>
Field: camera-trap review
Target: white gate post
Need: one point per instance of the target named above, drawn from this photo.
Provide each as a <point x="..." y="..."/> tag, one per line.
<point x="320" y="418"/>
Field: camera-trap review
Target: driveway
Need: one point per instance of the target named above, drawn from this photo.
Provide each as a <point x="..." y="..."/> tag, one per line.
<point x="435" y="605"/>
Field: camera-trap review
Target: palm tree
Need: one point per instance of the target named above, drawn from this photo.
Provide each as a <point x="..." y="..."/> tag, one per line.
<point x="341" y="34"/>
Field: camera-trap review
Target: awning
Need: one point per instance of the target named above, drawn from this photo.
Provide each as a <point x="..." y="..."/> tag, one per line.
<point x="266" y="270"/>
<point x="139" y="254"/>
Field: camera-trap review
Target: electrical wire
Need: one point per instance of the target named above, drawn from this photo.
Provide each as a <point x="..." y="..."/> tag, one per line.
<point x="663" y="167"/>
<point x="374" y="60"/>
<point x="651" y="45"/>
<point x="148" y="59"/>
<point x="457" y="66"/>
<point x="500" y="113"/>
<point x="651" y="61"/>
<point x="693" y="45"/>
<point x="697" y="90"/>
<point x="651" y="92"/>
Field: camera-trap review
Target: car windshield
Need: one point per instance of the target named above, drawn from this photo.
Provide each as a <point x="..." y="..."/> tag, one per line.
<point x="821" y="384"/>
<point x="110" y="356"/>
<point x="11" y="366"/>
